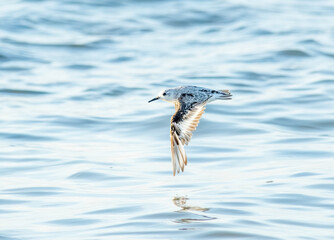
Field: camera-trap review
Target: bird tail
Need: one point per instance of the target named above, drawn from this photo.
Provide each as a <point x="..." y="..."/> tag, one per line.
<point x="179" y="157"/>
<point x="224" y="95"/>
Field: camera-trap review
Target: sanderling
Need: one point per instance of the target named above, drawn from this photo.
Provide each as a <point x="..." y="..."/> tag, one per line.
<point x="190" y="102"/>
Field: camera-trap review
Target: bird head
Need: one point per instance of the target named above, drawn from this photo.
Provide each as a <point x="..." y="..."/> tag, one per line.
<point x="166" y="95"/>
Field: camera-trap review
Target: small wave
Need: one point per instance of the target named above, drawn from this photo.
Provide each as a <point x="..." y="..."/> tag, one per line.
<point x="23" y="92"/>
<point x="74" y="221"/>
<point x="80" y="66"/>
<point x="293" y="53"/>
<point x="89" y="176"/>
<point x="26" y="137"/>
<point x="35" y="191"/>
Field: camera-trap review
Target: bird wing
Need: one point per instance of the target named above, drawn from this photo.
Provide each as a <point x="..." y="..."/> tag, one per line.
<point x="183" y="123"/>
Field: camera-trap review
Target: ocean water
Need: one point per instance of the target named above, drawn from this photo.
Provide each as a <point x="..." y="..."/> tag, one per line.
<point x="84" y="156"/>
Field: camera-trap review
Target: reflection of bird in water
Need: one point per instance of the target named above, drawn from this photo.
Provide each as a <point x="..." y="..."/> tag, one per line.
<point x="181" y="203"/>
<point x="190" y="102"/>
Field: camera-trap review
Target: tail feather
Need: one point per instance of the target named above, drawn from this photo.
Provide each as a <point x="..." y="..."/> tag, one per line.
<point x="226" y="91"/>
<point x="225" y="95"/>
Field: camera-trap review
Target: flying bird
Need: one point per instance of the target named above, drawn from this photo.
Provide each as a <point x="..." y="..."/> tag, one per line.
<point x="190" y="102"/>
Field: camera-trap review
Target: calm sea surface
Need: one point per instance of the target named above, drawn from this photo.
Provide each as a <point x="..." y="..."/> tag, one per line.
<point x="83" y="156"/>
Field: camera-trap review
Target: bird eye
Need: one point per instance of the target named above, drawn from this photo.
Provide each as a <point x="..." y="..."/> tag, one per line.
<point x="164" y="94"/>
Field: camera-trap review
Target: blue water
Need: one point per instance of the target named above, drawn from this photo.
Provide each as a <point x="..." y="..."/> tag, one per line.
<point x="84" y="156"/>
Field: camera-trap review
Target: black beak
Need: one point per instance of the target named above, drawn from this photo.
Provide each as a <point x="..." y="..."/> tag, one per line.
<point x="156" y="98"/>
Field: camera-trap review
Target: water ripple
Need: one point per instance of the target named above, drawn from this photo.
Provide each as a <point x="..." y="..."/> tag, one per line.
<point x="84" y="156"/>
<point x="20" y="92"/>
<point x="74" y="222"/>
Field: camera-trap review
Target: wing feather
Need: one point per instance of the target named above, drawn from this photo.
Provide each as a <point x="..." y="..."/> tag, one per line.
<point x="183" y="123"/>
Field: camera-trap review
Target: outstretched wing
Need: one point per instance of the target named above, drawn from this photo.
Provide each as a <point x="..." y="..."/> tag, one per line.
<point x="183" y="123"/>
